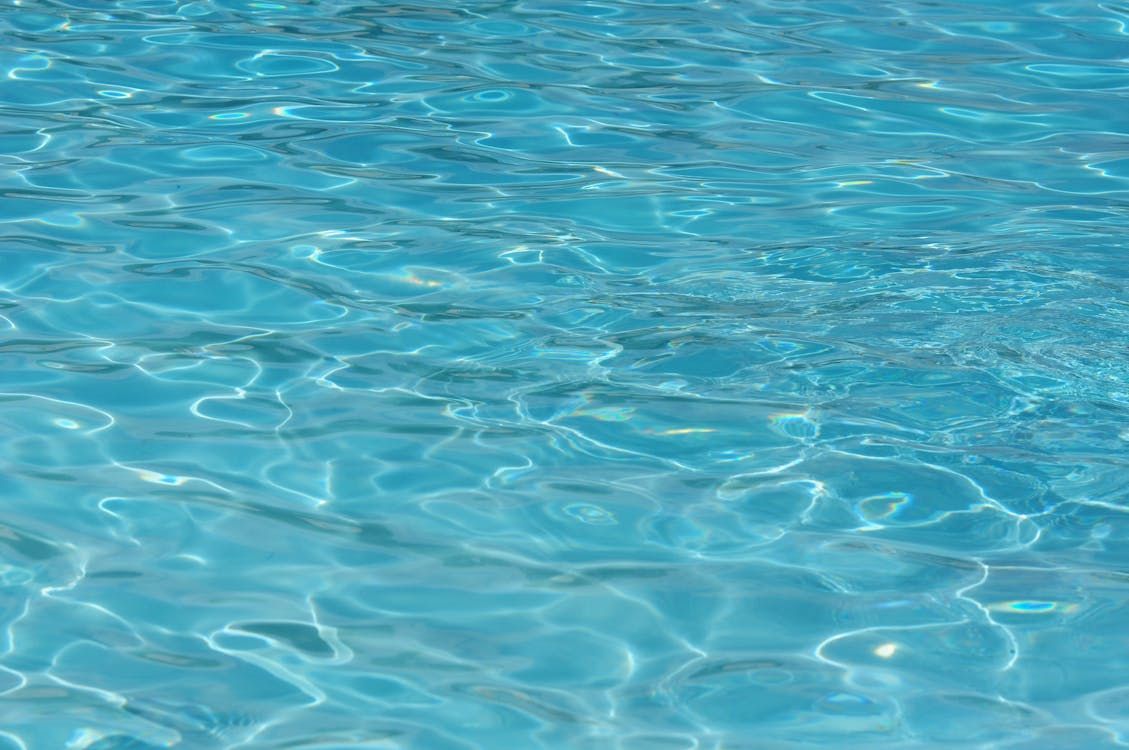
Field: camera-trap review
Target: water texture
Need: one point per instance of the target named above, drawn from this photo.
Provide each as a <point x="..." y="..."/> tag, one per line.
<point x="645" y="375"/>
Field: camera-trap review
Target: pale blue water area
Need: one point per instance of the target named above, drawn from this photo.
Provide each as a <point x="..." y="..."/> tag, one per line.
<point x="648" y="375"/>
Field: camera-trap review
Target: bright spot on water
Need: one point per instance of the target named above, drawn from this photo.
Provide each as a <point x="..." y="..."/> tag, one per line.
<point x="683" y="431"/>
<point x="29" y="62"/>
<point x="63" y="219"/>
<point x="12" y="576"/>
<point x="607" y="413"/>
<point x="67" y="424"/>
<point x="191" y="558"/>
<point x="522" y="255"/>
<point x="591" y="514"/>
<point x="110" y="93"/>
<point x="886" y="505"/>
<point x="797" y="426"/>
<point x="411" y="278"/>
<point x="307" y="252"/>
<point x="491" y="95"/>
<point x="230" y="116"/>
<point x="847" y="699"/>
<point x="81" y="738"/>
<point x="608" y="172"/>
<point x="156" y="478"/>
<point x="1032" y="607"/>
<point x="886" y="650"/>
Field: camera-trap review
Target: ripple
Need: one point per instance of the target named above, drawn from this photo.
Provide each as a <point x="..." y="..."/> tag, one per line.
<point x="590" y="514"/>
<point x="273" y="65"/>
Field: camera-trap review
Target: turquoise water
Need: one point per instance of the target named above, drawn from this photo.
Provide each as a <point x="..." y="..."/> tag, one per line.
<point x="631" y="375"/>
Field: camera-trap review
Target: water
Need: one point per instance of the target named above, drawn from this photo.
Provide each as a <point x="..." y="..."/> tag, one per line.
<point x="633" y="375"/>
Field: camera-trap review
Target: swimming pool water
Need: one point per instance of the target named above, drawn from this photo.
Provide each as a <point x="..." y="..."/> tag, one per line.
<point x="648" y="375"/>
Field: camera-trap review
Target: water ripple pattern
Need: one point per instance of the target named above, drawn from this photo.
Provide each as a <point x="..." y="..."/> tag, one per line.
<point x="594" y="375"/>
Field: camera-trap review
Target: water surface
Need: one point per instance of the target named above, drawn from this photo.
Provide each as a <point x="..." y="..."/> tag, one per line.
<point x="636" y="375"/>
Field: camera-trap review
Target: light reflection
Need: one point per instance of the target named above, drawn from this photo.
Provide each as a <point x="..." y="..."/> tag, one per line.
<point x="591" y="514"/>
<point x="1033" y="607"/>
<point x="886" y="505"/>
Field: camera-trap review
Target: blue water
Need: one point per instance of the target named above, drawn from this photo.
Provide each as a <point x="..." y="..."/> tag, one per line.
<point x="567" y="375"/>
